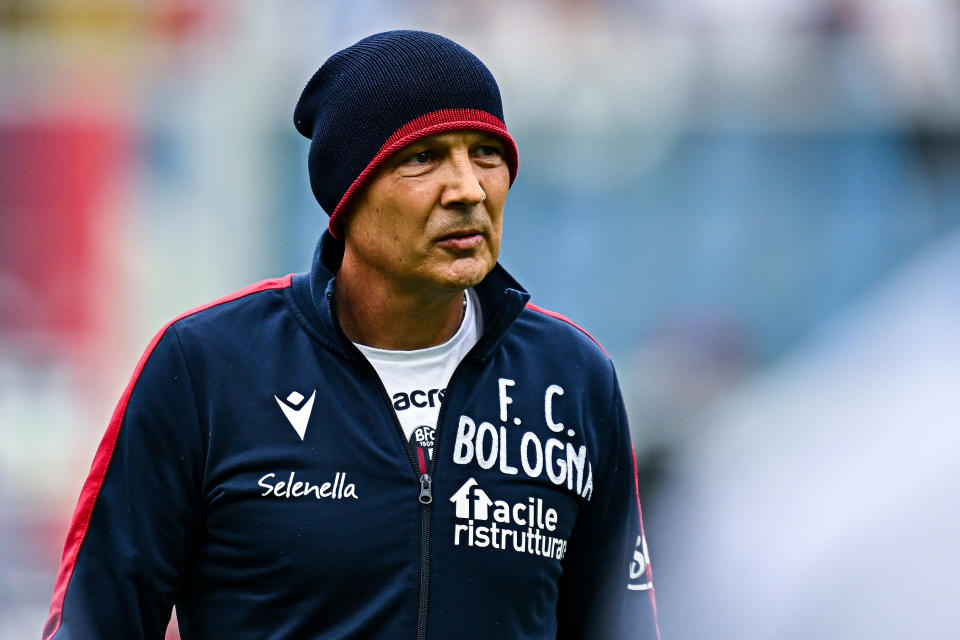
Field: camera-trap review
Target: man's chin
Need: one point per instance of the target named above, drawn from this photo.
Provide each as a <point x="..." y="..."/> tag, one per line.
<point x="466" y="273"/>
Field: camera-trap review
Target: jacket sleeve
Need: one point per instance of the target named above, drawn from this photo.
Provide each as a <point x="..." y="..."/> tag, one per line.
<point x="606" y="589"/>
<point x="133" y="528"/>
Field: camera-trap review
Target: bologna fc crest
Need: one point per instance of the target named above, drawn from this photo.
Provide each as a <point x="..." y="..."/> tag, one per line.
<point x="422" y="438"/>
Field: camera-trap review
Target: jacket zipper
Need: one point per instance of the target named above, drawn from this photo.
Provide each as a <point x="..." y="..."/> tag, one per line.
<point x="426" y="499"/>
<point x="423" y="470"/>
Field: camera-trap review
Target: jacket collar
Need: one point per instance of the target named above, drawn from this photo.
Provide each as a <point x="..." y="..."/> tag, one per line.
<point x="501" y="301"/>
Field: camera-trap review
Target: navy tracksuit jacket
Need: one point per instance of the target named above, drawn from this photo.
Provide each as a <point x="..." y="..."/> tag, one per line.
<point x="254" y="475"/>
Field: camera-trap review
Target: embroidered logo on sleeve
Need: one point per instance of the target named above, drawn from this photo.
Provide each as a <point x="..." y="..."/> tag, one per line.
<point x="297" y="411"/>
<point x="639" y="577"/>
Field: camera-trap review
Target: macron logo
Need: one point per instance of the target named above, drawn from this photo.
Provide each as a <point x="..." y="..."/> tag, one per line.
<point x="297" y="411"/>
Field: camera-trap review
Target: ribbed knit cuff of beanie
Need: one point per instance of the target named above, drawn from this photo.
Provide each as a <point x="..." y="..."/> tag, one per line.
<point x="387" y="91"/>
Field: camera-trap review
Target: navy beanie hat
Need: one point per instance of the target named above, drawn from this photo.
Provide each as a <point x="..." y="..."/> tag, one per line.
<point x="383" y="93"/>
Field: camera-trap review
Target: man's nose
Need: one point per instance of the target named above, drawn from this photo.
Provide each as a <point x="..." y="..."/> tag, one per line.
<point x="462" y="188"/>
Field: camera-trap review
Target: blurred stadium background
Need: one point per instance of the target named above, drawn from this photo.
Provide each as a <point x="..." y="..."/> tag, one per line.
<point x="753" y="204"/>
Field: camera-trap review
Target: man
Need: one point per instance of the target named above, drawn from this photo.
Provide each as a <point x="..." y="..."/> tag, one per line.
<point x="393" y="445"/>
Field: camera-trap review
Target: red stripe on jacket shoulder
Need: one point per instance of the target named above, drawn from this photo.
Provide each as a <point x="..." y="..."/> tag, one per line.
<point x="558" y="316"/>
<point x="101" y="460"/>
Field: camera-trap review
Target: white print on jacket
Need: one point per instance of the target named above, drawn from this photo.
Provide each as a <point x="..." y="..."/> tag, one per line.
<point x="638" y="566"/>
<point x="522" y="527"/>
<point x="506" y="447"/>
<point x="297" y="414"/>
<point x="293" y="488"/>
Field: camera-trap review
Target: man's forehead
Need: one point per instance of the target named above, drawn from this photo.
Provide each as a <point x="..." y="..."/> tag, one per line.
<point x="465" y="136"/>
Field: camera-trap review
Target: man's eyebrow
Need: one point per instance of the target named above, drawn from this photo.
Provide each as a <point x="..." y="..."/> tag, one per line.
<point x="423" y="143"/>
<point x="484" y="136"/>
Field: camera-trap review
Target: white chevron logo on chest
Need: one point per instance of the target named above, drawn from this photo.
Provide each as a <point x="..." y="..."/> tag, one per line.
<point x="297" y="411"/>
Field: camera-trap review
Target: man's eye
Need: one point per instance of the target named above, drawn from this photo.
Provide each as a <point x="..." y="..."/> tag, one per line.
<point x="420" y="158"/>
<point x="487" y="151"/>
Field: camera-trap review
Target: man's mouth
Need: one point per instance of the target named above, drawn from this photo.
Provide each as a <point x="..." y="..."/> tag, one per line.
<point x="463" y="240"/>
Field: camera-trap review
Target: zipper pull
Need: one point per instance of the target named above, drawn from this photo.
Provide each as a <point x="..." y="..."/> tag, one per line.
<point x="426" y="492"/>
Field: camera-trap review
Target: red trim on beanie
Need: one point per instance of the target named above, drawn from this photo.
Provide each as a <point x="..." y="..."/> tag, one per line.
<point x="426" y="125"/>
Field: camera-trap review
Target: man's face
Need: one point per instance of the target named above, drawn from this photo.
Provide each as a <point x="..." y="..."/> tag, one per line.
<point x="432" y="216"/>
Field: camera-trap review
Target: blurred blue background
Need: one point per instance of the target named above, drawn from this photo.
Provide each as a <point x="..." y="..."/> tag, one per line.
<point x="753" y="204"/>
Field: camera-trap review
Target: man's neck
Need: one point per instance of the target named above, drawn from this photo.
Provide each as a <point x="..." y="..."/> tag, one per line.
<point x="377" y="315"/>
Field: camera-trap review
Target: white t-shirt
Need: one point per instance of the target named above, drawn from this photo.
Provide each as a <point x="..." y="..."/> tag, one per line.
<point x="417" y="380"/>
